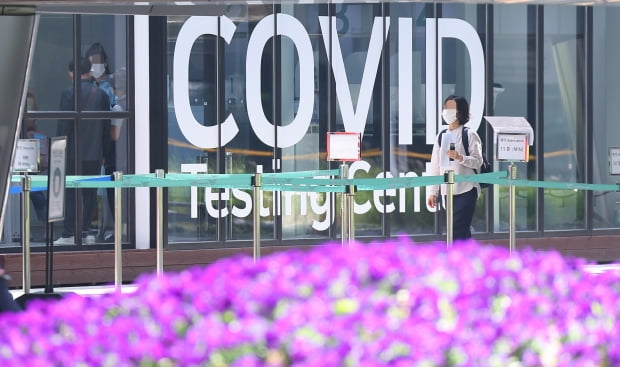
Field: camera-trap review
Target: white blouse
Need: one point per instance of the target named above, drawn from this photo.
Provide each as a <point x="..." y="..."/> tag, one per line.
<point x="440" y="162"/>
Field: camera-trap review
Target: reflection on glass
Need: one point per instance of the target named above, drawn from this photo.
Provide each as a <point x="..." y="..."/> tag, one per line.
<point x="53" y="51"/>
<point x="359" y="31"/>
<point x="193" y="212"/>
<point x="409" y="152"/>
<point x="250" y="152"/>
<point x="511" y="97"/>
<point x="606" y="77"/>
<point x="563" y="117"/>
<point x="303" y="214"/>
<point x="456" y="75"/>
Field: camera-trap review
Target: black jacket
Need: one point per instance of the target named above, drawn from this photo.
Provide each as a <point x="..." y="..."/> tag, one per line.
<point x="93" y="135"/>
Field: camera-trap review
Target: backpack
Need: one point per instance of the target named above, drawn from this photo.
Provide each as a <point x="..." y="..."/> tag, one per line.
<point x="485" y="167"/>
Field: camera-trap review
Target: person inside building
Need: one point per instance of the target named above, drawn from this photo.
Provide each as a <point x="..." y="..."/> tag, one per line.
<point x="102" y="78"/>
<point x="86" y="141"/>
<point x="449" y="155"/>
<point x="101" y="70"/>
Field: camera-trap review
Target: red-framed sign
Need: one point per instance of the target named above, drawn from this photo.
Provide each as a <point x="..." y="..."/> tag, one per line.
<point x="343" y="146"/>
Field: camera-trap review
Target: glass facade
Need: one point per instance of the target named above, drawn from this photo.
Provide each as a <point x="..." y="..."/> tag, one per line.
<point x="87" y="54"/>
<point x="258" y="88"/>
<point x="513" y="94"/>
<point x="604" y="89"/>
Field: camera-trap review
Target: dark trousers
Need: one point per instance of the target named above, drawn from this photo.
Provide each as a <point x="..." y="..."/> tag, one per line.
<point x="89" y="202"/>
<point x="464" y="206"/>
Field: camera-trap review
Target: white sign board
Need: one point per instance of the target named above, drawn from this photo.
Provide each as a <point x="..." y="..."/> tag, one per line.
<point x="26" y="156"/>
<point x="512" y="147"/>
<point x="343" y="146"/>
<point x="614" y="161"/>
<point x="56" y="179"/>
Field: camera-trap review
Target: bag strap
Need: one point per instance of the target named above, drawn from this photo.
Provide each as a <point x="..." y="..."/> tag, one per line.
<point x="465" y="138"/>
<point x="440" y="136"/>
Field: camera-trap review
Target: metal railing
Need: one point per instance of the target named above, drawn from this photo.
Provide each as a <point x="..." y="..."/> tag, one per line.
<point x="327" y="181"/>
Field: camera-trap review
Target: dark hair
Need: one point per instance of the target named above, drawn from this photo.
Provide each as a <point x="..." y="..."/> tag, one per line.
<point x="84" y="63"/>
<point x="97" y="49"/>
<point x="462" y="108"/>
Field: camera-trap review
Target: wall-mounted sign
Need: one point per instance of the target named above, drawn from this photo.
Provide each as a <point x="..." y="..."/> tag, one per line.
<point x="343" y="146"/>
<point x="512" y="147"/>
<point x="26" y="156"/>
<point x="56" y="179"/>
<point x="614" y="161"/>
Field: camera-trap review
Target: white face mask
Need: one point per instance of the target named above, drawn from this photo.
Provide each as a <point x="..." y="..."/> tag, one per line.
<point x="449" y="115"/>
<point x="98" y="70"/>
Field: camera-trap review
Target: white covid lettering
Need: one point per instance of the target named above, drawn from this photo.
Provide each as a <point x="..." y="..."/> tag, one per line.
<point x="405" y="81"/>
<point x="194" y="168"/>
<point x="354" y="99"/>
<point x="436" y="30"/>
<point x="293" y="132"/>
<point x="320" y="209"/>
<point x="239" y="203"/>
<point x="195" y="132"/>
<point x="378" y="194"/>
<point x="245" y="198"/>
<point x="403" y="199"/>
<point x="354" y="119"/>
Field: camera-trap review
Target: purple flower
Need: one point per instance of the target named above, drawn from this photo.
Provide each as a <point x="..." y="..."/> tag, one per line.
<point x="390" y="303"/>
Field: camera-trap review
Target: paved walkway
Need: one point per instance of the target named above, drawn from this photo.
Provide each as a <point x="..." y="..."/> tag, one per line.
<point x="92" y="291"/>
<point x="98" y="290"/>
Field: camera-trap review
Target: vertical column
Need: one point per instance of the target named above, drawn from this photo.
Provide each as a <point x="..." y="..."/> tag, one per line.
<point x="344" y="212"/>
<point x="256" y="230"/>
<point x="26" y="185"/>
<point x="229" y="170"/>
<point x="118" y="232"/>
<point x="17" y="35"/>
<point x="350" y="207"/>
<point x="449" y="179"/>
<point x="159" y="217"/>
<point x="512" y="175"/>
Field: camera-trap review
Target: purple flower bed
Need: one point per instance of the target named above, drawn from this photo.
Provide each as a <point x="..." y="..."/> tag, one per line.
<point x="392" y="303"/>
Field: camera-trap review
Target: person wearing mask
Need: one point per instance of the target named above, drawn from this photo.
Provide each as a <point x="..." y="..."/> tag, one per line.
<point x="456" y="113"/>
<point x="86" y="141"/>
<point x="101" y="70"/>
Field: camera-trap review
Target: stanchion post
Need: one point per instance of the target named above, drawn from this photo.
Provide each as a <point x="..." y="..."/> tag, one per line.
<point x="512" y="174"/>
<point x="344" y="212"/>
<point x="350" y="207"/>
<point x="118" y="232"/>
<point x="229" y="170"/>
<point x="159" y="217"/>
<point x="449" y="179"/>
<point x="256" y="230"/>
<point x="26" y="185"/>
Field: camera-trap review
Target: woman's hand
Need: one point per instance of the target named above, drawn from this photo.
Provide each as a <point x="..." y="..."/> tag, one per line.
<point x="454" y="155"/>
